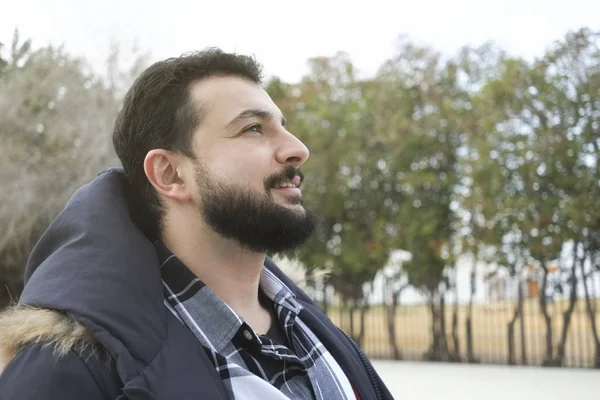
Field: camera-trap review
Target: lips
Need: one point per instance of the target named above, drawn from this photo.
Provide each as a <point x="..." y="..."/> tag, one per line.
<point x="293" y="183"/>
<point x="289" y="192"/>
<point x="283" y="185"/>
<point x="290" y="179"/>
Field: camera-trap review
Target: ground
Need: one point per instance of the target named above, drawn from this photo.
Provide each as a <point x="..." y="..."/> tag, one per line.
<point x="424" y="381"/>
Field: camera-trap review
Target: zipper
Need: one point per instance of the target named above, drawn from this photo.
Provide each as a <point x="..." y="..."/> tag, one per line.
<point x="367" y="365"/>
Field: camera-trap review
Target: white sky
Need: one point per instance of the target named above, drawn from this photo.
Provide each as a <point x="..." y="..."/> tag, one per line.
<point x="284" y="34"/>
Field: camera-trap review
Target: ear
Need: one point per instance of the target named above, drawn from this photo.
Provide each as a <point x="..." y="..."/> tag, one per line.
<point x="164" y="171"/>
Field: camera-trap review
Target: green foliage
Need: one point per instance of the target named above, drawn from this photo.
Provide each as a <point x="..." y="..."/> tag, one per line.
<point x="346" y="172"/>
<point x="440" y="156"/>
<point x="533" y="154"/>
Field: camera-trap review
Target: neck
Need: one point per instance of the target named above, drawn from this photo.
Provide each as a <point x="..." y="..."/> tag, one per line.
<point x="229" y="270"/>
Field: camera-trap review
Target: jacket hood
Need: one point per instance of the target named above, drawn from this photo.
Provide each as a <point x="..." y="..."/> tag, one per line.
<point x="95" y="265"/>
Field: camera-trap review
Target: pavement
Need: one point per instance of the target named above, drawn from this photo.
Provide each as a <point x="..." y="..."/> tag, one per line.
<point x="441" y="381"/>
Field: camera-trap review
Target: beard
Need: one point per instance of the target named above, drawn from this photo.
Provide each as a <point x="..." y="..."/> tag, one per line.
<point x="253" y="218"/>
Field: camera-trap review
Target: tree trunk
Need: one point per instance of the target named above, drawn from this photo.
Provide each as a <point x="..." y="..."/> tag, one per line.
<point x="469" y="320"/>
<point x="353" y="307"/>
<point x="361" y="333"/>
<point x="363" y="303"/>
<point x="391" y="323"/>
<point x="470" y="353"/>
<point x="591" y="314"/>
<point x="560" y="350"/>
<point x="547" y="318"/>
<point x="523" y="337"/>
<point x="443" y="338"/>
<point x="455" y="356"/>
<point x="433" y="354"/>
<point x="434" y="327"/>
<point x="511" y="325"/>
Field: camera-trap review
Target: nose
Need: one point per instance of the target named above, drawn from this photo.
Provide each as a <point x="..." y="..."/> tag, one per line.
<point x="291" y="151"/>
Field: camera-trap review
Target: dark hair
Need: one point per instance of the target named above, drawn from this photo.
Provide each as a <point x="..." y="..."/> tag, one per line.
<point x="159" y="113"/>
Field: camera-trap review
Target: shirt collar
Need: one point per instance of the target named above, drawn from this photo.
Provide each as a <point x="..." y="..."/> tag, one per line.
<point x="195" y="302"/>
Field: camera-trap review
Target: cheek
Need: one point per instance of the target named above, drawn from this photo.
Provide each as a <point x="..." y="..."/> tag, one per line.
<point x="249" y="163"/>
<point x="243" y="173"/>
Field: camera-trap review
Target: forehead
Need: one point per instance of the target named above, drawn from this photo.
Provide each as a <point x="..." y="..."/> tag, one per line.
<point x="222" y="98"/>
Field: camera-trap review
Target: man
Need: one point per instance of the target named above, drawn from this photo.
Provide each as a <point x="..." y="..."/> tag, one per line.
<point x="153" y="282"/>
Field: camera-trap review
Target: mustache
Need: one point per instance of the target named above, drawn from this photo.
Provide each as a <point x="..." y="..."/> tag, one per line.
<point x="287" y="174"/>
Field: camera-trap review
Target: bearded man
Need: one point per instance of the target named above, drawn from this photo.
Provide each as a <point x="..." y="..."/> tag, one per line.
<point x="154" y="281"/>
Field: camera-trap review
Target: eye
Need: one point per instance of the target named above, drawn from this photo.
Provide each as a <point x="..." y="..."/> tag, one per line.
<point x="254" y="128"/>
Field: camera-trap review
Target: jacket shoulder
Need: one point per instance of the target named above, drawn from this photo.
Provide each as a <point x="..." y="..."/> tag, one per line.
<point x="45" y="353"/>
<point x="36" y="373"/>
<point x="22" y="326"/>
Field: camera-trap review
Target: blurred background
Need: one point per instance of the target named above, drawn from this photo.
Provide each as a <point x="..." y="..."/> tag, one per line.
<point x="454" y="154"/>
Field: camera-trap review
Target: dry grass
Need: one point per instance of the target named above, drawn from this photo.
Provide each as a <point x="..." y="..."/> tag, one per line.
<point x="489" y="332"/>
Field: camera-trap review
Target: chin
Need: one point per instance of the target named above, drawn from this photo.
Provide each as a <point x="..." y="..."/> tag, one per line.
<point x="295" y="206"/>
<point x="294" y="203"/>
<point x="298" y="207"/>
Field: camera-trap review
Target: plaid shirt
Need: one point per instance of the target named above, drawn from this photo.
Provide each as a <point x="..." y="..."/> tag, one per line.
<point x="253" y="366"/>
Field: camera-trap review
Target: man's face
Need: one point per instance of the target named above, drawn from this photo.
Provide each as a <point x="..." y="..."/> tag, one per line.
<point x="247" y="176"/>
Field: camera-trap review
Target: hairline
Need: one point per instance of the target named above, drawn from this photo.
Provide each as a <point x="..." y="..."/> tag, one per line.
<point x="200" y="106"/>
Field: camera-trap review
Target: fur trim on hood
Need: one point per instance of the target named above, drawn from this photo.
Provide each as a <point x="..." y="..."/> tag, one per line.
<point x="21" y="326"/>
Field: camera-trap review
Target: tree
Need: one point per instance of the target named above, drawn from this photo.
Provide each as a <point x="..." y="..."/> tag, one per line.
<point x="574" y="73"/>
<point x="420" y="103"/>
<point x="56" y="118"/>
<point x="396" y="281"/>
<point x="346" y="176"/>
<point x="499" y="145"/>
<point x="476" y="66"/>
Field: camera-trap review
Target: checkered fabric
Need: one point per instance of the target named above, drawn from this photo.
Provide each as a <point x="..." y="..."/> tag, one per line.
<point x="253" y="366"/>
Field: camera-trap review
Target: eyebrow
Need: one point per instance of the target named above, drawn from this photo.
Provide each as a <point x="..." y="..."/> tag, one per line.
<point x="255" y="113"/>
